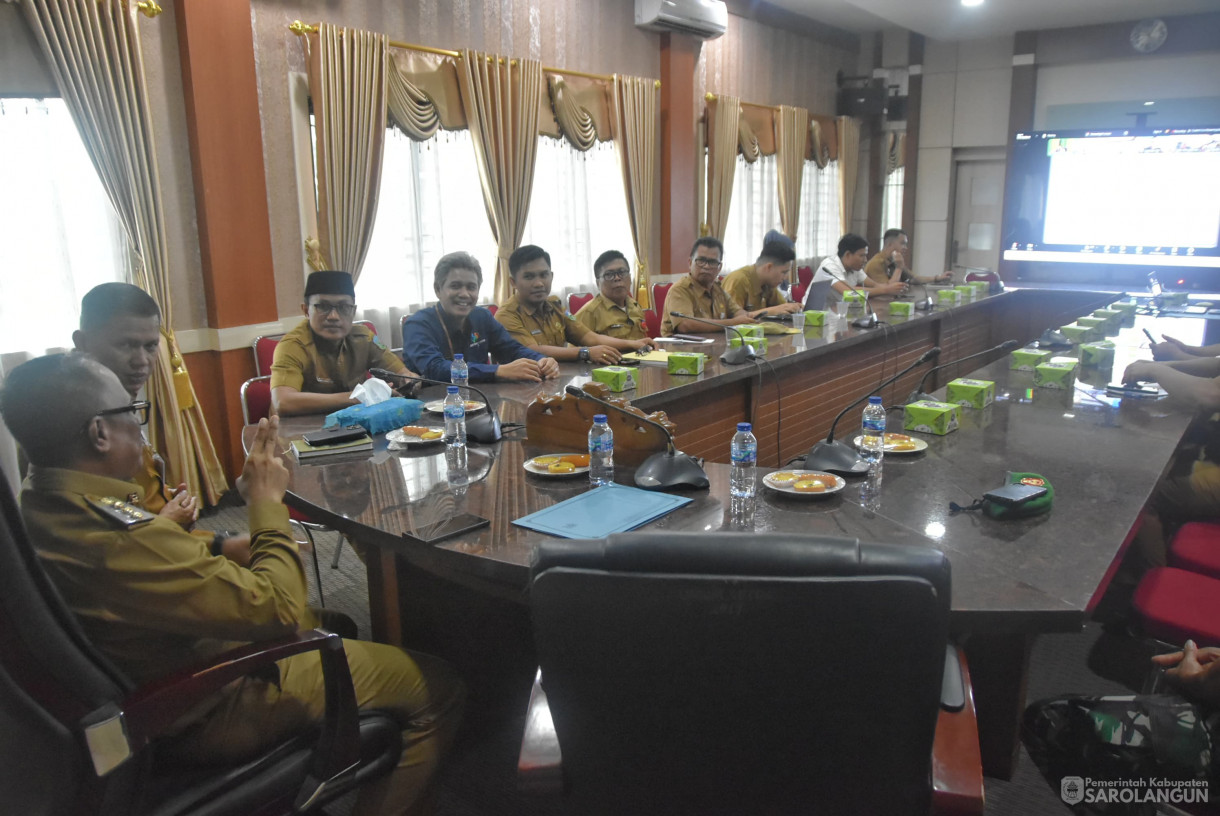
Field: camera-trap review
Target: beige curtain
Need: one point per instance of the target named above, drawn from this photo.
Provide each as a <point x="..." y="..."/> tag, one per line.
<point x="581" y="109"/>
<point x="634" y="122"/>
<point x="423" y="93"/>
<point x="723" y="138"/>
<point x="501" y="98"/>
<point x="895" y="150"/>
<point x="348" y="81"/>
<point x="818" y="150"/>
<point x="747" y="141"/>
<point x="790" y="128"/>
<point x="93" y="49"/>
<point x="849" y="166"/>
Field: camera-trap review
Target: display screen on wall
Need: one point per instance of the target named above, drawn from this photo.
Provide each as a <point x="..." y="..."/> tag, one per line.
<point x="1115" y="198"/>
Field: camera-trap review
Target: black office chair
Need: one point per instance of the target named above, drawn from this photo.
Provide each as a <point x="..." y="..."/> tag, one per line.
<point x="729" y="674"/>
<point x="77" y="738"/>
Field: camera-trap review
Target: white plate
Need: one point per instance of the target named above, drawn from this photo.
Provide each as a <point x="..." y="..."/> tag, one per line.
<point x="541" y="470"/>
<point x="438" y="406"/>
<point x="920" y="445"/>
<point x="399" y="437"/>
<point x="787" y="489"/>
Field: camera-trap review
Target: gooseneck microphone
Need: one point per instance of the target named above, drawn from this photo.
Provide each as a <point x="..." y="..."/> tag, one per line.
<point x="732" y="356"/>
<point x="483" y="428"/>
<point x="661" y="471"/>
<point x="926" y="303"/>
<point x="869" y="320"/>
<point x="919" y="394"/>
<point x="838" y="457"/>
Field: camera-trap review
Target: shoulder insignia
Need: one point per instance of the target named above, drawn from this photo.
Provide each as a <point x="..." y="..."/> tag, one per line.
<point x="127" y="515"/>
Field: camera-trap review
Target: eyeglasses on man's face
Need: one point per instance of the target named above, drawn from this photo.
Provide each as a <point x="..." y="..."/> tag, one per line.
<point x="325" y="307"/>
<point x="140" y="408"/>
<point x="707" y="263"/>
<point x="615" y="274"/>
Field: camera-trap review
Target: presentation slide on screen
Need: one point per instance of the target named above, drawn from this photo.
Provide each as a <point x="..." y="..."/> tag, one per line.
<point x="1133" y="193"/>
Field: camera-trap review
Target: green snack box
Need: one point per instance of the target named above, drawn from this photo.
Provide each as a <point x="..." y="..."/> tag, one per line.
<point x="970" y="393"/>
<point x="617" y="378"/>
<point x="1174" y="298"/>
<point x="901" y="308"/>
<point x="1098" y="354"/>
<point x="750" y="330"/>
<point x="1126" y="307"/>
<point x="981" y="288"/>
<point x="1055" y="375"/>
<point x="1077" y="333"/>
<point x="1024" y="359"/>
<point x="686" y="362"/>
<point x="854" y="297"/>
<point x="759" y="343"/>
<point x="949" y="297"/>
<point x="968" y="291"/>
<point x="814" y="318"/>
<point x="1090" y="322"/>
<point x="1109" y="314"/>
<point x="927" y="416"/>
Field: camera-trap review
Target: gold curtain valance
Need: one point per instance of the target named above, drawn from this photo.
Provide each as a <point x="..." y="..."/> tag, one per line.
<point x="423" y="93"/>
<point x="756" y="132"/>
<point x="580" y="108"/>
<point x="895" y="150"/>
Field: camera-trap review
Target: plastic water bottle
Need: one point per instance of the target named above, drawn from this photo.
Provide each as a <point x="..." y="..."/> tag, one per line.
<point x="455" y="418"/>
<point x="743" y="453"/>
<point x="872" y="431"/>
<point x="601" y="452"/>
<point x="459" y="372"/>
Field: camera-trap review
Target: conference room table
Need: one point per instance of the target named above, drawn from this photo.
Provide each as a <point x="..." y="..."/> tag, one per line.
<point x="467" y="597"/>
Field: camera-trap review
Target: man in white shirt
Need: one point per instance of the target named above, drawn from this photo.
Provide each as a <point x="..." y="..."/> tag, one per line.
<point x="846" y="269"/>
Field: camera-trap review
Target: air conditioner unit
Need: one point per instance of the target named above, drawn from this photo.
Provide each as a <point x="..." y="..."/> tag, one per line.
<point x="706" y="19"/>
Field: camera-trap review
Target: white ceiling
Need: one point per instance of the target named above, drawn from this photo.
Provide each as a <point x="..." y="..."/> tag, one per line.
<point x="950" y="20"/>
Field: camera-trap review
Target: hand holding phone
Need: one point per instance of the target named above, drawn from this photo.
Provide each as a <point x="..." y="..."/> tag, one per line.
<point x="1151" y="339"/>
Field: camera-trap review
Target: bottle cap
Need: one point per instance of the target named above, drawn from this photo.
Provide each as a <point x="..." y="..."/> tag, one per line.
<point x="453" y="389"/>
<point x="599" y="418"/>
<point x="874" y="400"/>
<point x="744" y="426"/>
<point x="457" y="357"/>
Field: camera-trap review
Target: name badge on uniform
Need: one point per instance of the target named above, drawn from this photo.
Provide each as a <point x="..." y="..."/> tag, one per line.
<point x="536" y="331"/>
<point x="126" y="515"/>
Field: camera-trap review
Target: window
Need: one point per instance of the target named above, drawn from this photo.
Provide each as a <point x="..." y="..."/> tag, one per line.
<point x="891" y="200"/>
<point x="431" y="203"/>
<point x="62" y="234"/>
<point x="818" y="233"/>
<point x="753" y="210"/>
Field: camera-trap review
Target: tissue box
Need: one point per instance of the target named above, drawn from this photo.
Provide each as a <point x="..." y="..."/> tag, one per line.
<point x="970" y="393"/>
<point x="1078" y="334"/>
<point x="967" y="291"/>
<point x="1126" y="308"/>
<point x="949" y="297"/>
<point x="1091" y="322"/>
<point x="616" y="378"/>
<point x="1113" y="319"/>
<point x="901" y="308"/>
<point x="758" y="343"/>
<point x="750" y="330"/>
<point x="854" y="297"/>
<point x="926" y="416"/>
<point x="686" y="362"/>
<point x="1055" y="375"/>
<point x="981" y="288"/>
<point x="814" y="318"/>
<point x="1024" y="359"/>
<point x="1100" y="354"/>
<point x="384" y="416"/>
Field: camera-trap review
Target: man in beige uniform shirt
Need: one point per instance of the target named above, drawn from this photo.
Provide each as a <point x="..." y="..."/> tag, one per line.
<point x="154" y="599"/>
<point x="756" y="287"/>
<point x="699" y="295"/>
<point x="613" y="312"/>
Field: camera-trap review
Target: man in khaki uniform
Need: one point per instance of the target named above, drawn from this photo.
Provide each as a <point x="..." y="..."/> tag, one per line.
<point x="889" y="266"/>
<point x="613" y="312"/>
<point x="154" y="600"/>
<point x="699" y="295"/>
<point x="536" y="320"/>
<point x="756" y="287"/>
<point x="120" y="327"/>
<point x="317" y="364"/>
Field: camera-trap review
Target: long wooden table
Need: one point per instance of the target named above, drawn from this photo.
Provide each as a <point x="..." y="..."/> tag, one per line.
<point x="466" y="597"/>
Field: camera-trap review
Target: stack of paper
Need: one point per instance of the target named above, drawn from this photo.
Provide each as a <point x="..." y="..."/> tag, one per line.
<point x="658" y="358"/>
<point x="303" y="450"/>
<point x="612" y="508"/>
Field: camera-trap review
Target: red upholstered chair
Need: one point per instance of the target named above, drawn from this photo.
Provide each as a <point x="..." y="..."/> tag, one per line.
<point x="798" y="292"/>
<point x="804" y="274"/>
<point x="493" y="308"/>
<point x="1196" y="547"/>
<point x="578" y="299"/>
<point x="1175" y="605"/>
<point x="659" y="292"/>
<point x="652" y="323"/>
<point x="264" y="353"/>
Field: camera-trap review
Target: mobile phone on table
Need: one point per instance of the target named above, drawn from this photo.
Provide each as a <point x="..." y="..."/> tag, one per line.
<point x="446" y="528"/>
<point x="1014" y="495"/>
<point x="335" y="436"/>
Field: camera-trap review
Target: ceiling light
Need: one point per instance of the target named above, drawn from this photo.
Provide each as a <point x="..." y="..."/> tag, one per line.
<point x="1149" y="102"/>
<point x="972" y="2"/>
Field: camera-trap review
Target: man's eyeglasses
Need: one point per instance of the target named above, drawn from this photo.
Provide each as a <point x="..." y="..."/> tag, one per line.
<point x="324" y="307"/>
<point x="707" y="263"/>
<point x="140" y="409"/>
<point x="615" y="274"/>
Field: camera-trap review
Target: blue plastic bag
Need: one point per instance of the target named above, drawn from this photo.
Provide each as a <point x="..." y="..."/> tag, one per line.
<point x="384" y="416"/>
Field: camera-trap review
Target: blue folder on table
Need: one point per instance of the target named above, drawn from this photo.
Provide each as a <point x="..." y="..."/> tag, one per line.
<point x="612" y="508"/>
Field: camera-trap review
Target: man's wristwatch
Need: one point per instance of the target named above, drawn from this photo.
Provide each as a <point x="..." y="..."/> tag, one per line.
<point x="584" y="354"/>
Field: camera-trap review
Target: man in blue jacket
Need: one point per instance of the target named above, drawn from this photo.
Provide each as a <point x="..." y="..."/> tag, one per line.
<point x="456" y="325"/>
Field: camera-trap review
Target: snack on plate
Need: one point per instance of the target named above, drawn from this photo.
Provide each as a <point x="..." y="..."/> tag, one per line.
<point x="903" y="446"/>
<point x="435" y="433"/>
<point x="895" y="438"/>
<point x="576" y="459"/>
<point x="810" y="486"/>
<point x="561" y="467"/>
<point x="472" y="405"/>
<point x="416" y="430"/>
<point x="543" y="461"/>
<point x="784" y="477"/>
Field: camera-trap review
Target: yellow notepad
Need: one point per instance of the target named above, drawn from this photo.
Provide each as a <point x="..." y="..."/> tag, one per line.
<point x="658" y="358"/>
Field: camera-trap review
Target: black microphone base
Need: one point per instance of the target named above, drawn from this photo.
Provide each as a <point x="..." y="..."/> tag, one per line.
<point x="866" y="322"/>
<point x="925" y="305"/>
<point x="665" y="471"/>
<point x="484" y="428"/>
<point x="835" y="457"/>
<point x="737" y="355"/>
